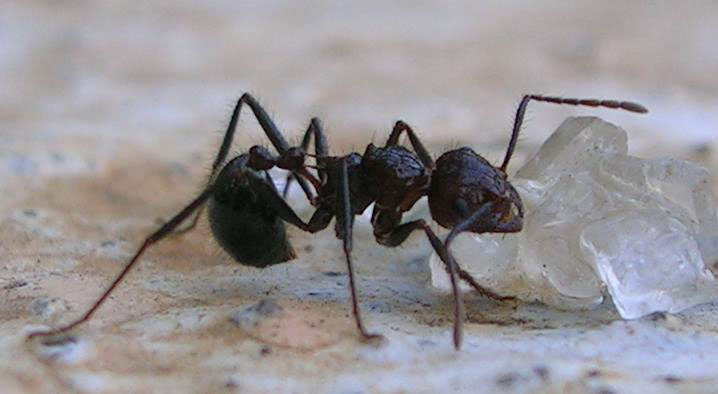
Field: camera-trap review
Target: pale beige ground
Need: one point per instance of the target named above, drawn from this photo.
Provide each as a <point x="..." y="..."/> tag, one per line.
<point x="108" y="117"/>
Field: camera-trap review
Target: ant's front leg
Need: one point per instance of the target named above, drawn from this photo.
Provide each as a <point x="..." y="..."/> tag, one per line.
<point x="484" y="220"/>
<point x="397" y="235"/>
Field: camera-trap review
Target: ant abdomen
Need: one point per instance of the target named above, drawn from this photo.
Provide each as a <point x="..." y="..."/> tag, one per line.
<point x="462" y="182"/>
<point x="243" y="223"/>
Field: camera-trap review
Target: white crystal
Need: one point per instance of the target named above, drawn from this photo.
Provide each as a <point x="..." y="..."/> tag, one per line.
<point x="597" y="223"/>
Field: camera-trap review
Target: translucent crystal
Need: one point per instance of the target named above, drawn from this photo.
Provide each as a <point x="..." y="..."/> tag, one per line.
<point x="597" y="223"/>
<point x="649" y="261"/>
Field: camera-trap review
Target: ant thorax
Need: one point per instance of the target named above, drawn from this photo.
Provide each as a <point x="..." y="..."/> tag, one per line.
<point x="395" y="176"/>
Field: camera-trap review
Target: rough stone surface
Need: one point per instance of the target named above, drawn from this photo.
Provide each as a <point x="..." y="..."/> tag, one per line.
<point x="598" y="219"/>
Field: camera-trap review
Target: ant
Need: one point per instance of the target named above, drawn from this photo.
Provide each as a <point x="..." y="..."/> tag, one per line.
<point x="247" y="214"/>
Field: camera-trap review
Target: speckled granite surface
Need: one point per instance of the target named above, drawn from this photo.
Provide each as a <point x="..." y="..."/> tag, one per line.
<point x="107" y="115"/>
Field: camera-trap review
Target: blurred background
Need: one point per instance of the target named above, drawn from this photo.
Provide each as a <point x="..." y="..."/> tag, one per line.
<point x="94" y="78"/>
<point x="111" y="113"/>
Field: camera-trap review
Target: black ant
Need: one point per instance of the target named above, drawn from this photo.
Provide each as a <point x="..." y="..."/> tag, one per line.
<point x="247" y="213"/>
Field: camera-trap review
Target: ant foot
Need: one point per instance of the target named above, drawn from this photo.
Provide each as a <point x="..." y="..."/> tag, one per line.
<point x="48" y="336"/>
<point x="373" y="339"/>
<point x="57" y="340"/>
<point x="491" y="295"/>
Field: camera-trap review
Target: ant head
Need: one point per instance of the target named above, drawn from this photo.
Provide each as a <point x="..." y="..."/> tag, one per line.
<point x="394" y="176"/>
<point x="463" y="182"/>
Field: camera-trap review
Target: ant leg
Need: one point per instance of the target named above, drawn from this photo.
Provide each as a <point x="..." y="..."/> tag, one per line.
<point x="519" y="118"/>
<point x="489" y="223"/>
<point x="270" y="130"/>
<point x="192" y="224"/>
<point x="151" y="239"/>
<point x="321" y="149"/>
<point x="319" y="221"/>
<point x="266" y="189"/>
<point x="302" y="183"/>
<point x="419" y="148"/>
<point x="399" y="234"/>
<point x="345" y="222"/>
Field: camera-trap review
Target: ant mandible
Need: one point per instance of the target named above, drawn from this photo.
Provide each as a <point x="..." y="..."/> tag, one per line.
<point x="247" y="213"/>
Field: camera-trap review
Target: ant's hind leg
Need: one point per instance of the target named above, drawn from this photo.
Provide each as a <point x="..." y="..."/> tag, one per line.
<point x="192" y="224"/>
<point x="270" y="130"/>
<point x="267" y="125"/>
<point x="166" y="229"/>
<point x="321" y="149"/>
<point x="268" y="192"/>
